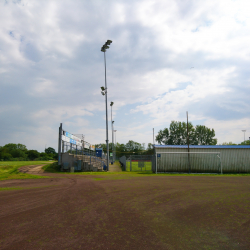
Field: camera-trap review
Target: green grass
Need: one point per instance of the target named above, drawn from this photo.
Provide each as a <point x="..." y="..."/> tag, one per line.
<point x="135" y="168"/>
<point x="9" y="169"/>
<point x="22" y="188"/>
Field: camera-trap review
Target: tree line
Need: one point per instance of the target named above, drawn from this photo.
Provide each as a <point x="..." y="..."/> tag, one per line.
<point x="176" y="134"/>
<point x="19" y="152"/>
<point x="129" y="148"/>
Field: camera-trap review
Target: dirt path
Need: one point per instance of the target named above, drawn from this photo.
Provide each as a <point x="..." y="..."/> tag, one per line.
<point x="69" y="211"/>
<point x="115" y="167"/>
<point x="32" y="169"/>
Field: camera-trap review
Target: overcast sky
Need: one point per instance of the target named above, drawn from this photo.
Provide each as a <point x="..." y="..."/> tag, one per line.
<point x="167" y="57"/>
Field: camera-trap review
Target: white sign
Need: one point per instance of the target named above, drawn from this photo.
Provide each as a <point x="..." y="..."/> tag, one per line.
<point x="64" y="138"/>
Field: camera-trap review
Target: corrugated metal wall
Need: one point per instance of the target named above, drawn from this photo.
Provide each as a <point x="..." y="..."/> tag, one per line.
<point x="233" y="160"/>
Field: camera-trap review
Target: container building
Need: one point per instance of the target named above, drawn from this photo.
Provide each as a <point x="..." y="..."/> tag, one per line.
<point x="202" y="158"/>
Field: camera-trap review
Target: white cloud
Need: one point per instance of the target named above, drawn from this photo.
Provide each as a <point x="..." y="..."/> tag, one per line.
<point x="51" y="67"/>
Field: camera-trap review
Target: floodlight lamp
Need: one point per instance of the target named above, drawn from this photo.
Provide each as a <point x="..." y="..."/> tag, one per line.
<point x="105" y="46"/>
<point x="103" y="50"/>
<point x="111" y="104"/>
<point x="113" y="121"/>
<point x="108" y="42"/>
<point x="102" y="88"/>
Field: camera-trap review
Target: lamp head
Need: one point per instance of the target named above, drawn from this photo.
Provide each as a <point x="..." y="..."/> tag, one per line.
<point x="111" y="104"/>
<point x="108" y="42"/>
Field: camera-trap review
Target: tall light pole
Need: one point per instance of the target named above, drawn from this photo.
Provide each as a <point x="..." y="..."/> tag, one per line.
<point x="105" y="92"/>
<point x="111" y="104"/>
<point x="244" y="131"/>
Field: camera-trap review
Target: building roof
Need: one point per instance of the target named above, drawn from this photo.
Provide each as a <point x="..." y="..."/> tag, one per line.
<point x="202" y="146"/>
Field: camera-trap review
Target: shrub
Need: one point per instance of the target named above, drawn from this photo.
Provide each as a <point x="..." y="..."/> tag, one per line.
<point x="5" y="156"/>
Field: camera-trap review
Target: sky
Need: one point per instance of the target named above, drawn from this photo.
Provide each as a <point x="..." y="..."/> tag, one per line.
<point x="167" y="57"/>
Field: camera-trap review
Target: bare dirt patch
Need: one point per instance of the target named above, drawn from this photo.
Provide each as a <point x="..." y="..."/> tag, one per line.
<point x="113" y="212"/>
<point x="32" y="169"/>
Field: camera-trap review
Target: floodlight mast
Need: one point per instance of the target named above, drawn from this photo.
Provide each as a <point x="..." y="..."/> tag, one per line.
<point x="105" y="92"/>
<point x="244" y="131"/>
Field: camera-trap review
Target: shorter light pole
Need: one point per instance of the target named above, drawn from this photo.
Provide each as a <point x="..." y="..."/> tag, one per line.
<point x="111" y="104"/>
<point x="244" y="131"/>
<point x="115" y="144"/>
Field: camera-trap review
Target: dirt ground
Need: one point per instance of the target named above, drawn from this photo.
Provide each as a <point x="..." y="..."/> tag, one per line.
<point x="120" y="211"/>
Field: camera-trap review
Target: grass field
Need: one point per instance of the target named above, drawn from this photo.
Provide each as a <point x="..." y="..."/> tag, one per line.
<point x="9" y="169"/>
<point x="125" y="210"/>
<point x="136" y="168"/>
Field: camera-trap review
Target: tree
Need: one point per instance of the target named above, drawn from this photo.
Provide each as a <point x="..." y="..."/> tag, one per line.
<point x="228" y="143"/>
<point x="247" y="142"/>
<point x="5" y="156"/>
<point x="204" y="136"/>
<point x="12" y="146"/>
<point x="33" y="154"/>
<point x="133" y="147"/>
<point x="16" y="150"/>
<point x="177" y="134"/>
<point x="50" y="150"/>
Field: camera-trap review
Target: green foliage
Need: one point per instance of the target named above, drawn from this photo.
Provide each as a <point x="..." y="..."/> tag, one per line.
<point x="5" y="156"/>
<point x="247" y="142"/>
<point x="50" y="150"/>
<point x="11" y="150"/>
<point x="19" y="152"/>
<point x="33" y="154"/>
<point x="52" y="168"/>
<point x="177" y="135"/>
<point x="12" y="146"/>
<point x="204" y="136"/>
<point x="134" y="147"/>
<point x="228" y="143"/>
<point x="130" y="148"/>
<point x="16" y="153"/>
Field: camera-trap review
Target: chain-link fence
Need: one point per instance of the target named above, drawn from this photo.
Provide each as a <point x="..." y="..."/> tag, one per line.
<point x="138" y="163"/>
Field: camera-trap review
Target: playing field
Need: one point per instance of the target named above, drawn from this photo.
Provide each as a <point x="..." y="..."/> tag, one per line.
<point x="136" y="167"/>
<point x="125" y="211"/>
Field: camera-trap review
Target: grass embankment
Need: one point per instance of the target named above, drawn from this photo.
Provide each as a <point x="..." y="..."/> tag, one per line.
<point x="9" y="169"/>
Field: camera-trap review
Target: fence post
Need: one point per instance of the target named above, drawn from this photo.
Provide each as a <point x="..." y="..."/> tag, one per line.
<point x="156" y="163"/>
<point x="130" y="164"/>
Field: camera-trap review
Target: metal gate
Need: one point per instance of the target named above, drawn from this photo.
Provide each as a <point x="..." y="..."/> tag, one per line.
<point x="140" y="163"/>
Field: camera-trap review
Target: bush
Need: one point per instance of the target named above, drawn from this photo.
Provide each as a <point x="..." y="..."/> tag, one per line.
<point x="33" y="154"/>
<point x="52" y="168"/>
<point x="20" y="159"/>
<point x="5" y="156"/>
<point x="17" y="153"/>
<point x="44" y="158"/>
